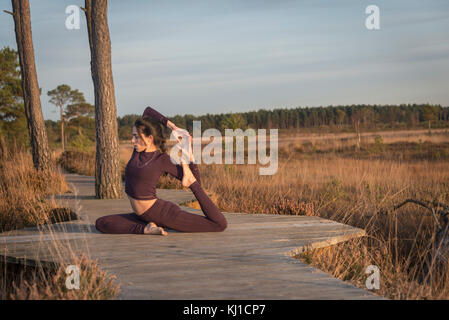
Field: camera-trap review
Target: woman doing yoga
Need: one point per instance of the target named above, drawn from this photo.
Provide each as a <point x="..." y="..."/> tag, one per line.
<point x="148" y="161"/>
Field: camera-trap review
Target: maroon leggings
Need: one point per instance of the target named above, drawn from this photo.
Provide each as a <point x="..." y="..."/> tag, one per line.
<point x="168" y="215"/>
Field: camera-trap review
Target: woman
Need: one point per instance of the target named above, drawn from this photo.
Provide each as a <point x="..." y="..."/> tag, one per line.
<point x="148" y="161"/>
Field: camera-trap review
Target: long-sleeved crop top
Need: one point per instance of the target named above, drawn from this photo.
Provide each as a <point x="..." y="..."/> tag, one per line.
<point x="144" y="168"/>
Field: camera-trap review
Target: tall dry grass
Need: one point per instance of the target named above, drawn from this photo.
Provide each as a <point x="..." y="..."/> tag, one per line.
<point x="43" y="283"/>
<point x="356" y="192"/>
<point x="23" y="203"/>
<point x="23" y="191"/>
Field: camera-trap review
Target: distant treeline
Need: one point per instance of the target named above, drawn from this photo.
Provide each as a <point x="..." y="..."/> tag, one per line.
<point x="367" y="115"/>
<point x="337" y="118"/>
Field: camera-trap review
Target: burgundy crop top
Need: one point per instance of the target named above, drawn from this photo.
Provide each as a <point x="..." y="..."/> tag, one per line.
<point x="144" y="168"/>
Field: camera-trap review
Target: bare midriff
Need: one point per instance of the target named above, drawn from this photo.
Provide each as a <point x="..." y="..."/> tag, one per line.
<point x="140" y="206"/>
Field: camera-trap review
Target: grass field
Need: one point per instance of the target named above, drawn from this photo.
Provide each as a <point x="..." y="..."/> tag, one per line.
<point x="333" y="177"/>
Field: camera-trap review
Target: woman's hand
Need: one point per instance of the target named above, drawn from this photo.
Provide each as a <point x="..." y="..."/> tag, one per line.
<point x="186" y="149"/>
<point x="171" y="125"/>
<point x="183" y="135"/>
<point x="177" y="132"/>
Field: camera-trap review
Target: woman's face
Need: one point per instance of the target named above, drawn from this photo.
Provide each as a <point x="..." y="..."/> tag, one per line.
<point x="139" y="143"/>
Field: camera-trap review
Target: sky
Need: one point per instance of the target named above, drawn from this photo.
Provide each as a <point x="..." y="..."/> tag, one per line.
<point x="219" y="56"/>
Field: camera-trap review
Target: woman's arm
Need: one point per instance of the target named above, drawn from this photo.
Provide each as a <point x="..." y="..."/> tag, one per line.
<point x="176" y="169"/>
<point x="151" y="113"/>
<point x="167" y="166"/>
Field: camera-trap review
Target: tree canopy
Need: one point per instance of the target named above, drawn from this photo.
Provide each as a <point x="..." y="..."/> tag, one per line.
<point x="12" y="111"/>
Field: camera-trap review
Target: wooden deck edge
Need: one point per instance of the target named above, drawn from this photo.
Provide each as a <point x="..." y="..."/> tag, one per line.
<point x="326" y="243"/>
<point x="28" y="262"/>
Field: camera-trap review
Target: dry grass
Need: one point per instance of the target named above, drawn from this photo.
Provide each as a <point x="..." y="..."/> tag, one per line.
<point x="334" y="180"/>
<point x="391" y="136"/>
<point x="23" y="203"/>
<point x="402" y="276"/>
<point x="41" y="283"/>
<point x="23" y="192"/>
<point x="381" y="143"/>
<point x="79" y="162"/>
<point x="353" y="191"/>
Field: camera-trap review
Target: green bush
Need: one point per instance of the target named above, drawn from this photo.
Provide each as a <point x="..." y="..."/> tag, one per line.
<point x="81" y="143"/>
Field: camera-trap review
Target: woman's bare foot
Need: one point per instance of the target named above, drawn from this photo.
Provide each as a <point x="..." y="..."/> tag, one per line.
<point x="188" y="178"/>
<point x="152" y="228"/>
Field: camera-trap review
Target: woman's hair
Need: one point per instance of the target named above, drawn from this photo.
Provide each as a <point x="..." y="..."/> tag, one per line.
<point x="147" y="126"/>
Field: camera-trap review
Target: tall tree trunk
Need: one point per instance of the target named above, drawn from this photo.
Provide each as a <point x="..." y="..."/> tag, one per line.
<point x="88" y="12"/>
<point x="62" y="129"/>
<point x="108" y="182"/>
<point x="30" y="86"/>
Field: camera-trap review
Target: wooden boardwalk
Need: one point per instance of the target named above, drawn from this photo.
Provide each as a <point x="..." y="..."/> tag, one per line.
<point x="251" y="259"/>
